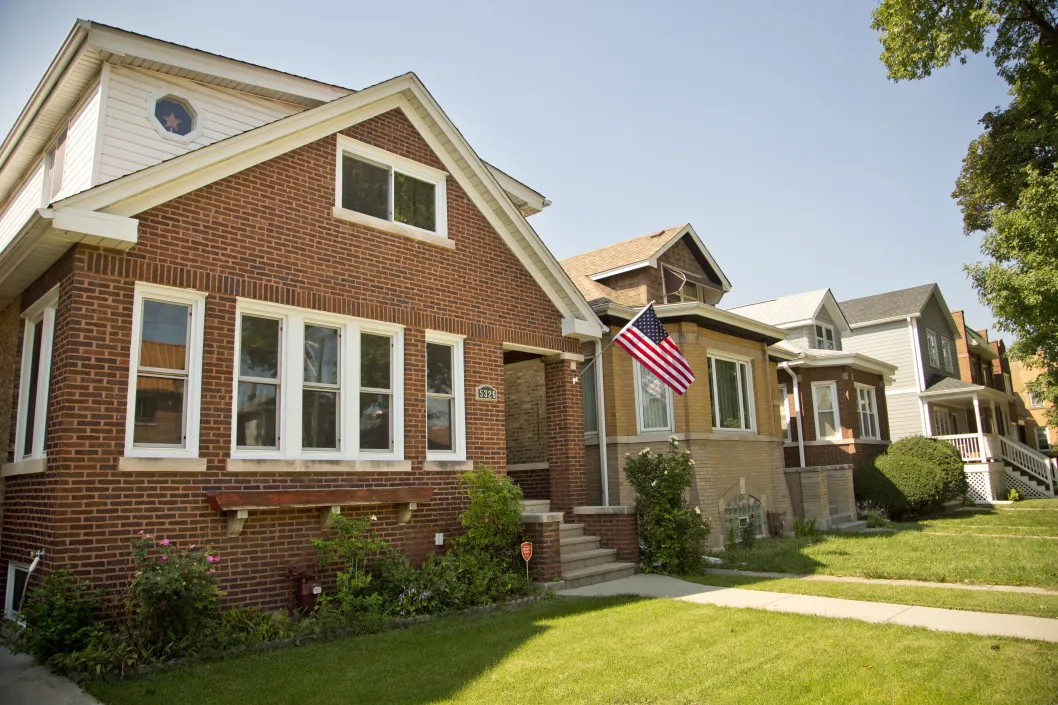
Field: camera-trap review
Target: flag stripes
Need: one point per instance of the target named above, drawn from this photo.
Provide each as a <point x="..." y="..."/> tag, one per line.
<point x="646" y="340"/>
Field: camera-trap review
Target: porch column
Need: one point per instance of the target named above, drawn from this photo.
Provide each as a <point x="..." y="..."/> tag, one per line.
<point x="565" y="435"/>
<point x="980" y="431"/>
<point x="927" y="422"/>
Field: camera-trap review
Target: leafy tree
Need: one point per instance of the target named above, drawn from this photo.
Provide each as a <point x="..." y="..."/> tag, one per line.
<point x="1007" y="188"/>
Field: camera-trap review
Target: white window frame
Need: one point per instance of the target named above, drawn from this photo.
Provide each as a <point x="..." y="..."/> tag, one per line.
<point x="638" y="379"/>
<point x="1047" y="437"/>
<point x="193" y="391"/>
<point x="9" y="593"/>
<point x="395" y="163"/>
<point x="873" y="396"/>
<point x="837" y="410"/>
<point x="745" y="372"/>
<point x="932" y="352"/>
<point x="54" y="160"/>
<point x="1034" y="401"/>
<point x="182" y="96"/>
<point x="684" y="297"/>
<point x="459" y="448"/>
<point x="785" y="403"/>
<point x="945" y="355"/>
<point x="821" y="330"/>
<point x="43" y="310"/>
<point x="291" y="380"/>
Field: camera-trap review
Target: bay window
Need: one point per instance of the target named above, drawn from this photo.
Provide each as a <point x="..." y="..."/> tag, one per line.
<point x="35" y="378"/>
<point x="165" y="365"/>
<point x="445" y="433"/>
<point x="731" y="389"/>
<point x="825" y="403"/>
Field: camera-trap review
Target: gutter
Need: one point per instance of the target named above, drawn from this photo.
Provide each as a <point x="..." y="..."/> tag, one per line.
<point x="797" y="410"/>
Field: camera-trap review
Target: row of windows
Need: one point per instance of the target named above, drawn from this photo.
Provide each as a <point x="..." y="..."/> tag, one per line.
<point x="939" y="350"/>
<point x="827" y="416"/>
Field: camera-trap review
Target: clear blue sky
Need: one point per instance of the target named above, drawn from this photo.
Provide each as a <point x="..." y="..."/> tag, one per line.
<point x="769" y="126"/>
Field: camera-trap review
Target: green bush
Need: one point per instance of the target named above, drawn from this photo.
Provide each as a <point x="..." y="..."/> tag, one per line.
<point x="902" y="485"/>
<point x="1014" y="495"/>
<point x="99" y="652"/>
<point x="350" y="548"/>
<point x="806" y="528"/>
<point x="942" y="455"/>
<point x="56" y="614"/>
<point x="671" y="534"/>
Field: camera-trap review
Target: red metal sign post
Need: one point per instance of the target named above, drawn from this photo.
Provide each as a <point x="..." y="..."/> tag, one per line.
<point x="527" y="553"/>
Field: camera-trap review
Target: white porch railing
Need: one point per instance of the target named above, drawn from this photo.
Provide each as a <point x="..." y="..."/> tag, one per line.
<point x="974" y="447"/>
<point x="983" y="447"/>
<point x="1030" y="460"/>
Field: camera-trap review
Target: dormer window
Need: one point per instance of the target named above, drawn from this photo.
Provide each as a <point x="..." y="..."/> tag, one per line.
<point x="173" y="116"/>
<point x="679" y="287"/>
<point x="825" y="337"/>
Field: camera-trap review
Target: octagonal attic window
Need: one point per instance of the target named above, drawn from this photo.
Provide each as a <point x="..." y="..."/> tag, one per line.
<point x="174" y="115"/>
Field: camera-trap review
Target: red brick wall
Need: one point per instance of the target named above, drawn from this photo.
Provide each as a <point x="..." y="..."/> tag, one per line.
<point x="618" y="531"/>
<point x="267" y="233"/>
<point x="565" y="437"/>
<point x="535" y="484"/>
<point x="546" y="538"/>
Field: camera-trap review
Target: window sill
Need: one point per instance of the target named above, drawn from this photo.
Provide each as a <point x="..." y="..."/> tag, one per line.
<point x="391" y="227"/>
<point x="448" y="465"/>
<point x="141" y="464"/>
<point x="30" y="466"/>
<point x="312" y="465"/>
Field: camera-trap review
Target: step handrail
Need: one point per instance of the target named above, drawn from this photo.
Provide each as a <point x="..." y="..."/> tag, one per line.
<point x="1029" y="460"/>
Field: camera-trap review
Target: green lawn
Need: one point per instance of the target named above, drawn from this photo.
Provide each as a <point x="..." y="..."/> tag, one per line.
<point x="621" y="650"/>
<point x="947" y="598"/>
<point x="913" y="554"/>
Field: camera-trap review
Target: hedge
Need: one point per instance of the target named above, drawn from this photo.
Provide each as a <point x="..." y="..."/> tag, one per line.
<point x="903" y="485"/>
<point x="942" y="455"/>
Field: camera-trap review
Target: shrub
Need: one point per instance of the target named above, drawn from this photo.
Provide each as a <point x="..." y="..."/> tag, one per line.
<point x="671" y="534"/>
<point x="806" y="528"/>
<point x="1014" y="495"/>
<point x="351" y="547"/>
<point x="901" y="484"/>
<point x="100" y="652"/>
<point x="747" y="533"/>
<point x="173" y="595"/>
<point x="942" y="455"/>
<point x="57" y="614"/>
<point x="410" y="592"/>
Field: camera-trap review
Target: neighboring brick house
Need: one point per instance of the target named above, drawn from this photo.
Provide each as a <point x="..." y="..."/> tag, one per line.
<point x="1034" y="426"/>
<point x="236" y="300"/>
<point x="733" y="436"/>
<point x="983" y="362"/>
<point x="833" y="404"/>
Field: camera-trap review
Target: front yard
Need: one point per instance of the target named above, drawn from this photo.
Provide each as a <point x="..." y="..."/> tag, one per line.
<point x="621" y="650"/>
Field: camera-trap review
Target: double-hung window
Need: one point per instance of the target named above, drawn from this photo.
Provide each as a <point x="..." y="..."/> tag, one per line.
<point x="731" y="388"/>
<point x="931" y="349"/>
<point x="945" y="353"/>
<point x="445" y="433"/>
<point x="653" y="401"/>
<point x="1035" y="400"/>
<point x="387" y="191"/>
<point x="867" y="406"/>
<point x="310" y="384"/>
<point x="1043" y="439"/>
<point x="784" y="407"/>
<point x="825" y="403"/>
<point x="34" y="382"/>
<point x="165" y="380"/>
<point x="825" y="337"/>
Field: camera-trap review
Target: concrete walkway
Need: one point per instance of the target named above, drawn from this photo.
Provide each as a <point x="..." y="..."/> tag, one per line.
<point x="819" y="577"/>
<point x="960" y="621"/>
<point x="22" y="683"/>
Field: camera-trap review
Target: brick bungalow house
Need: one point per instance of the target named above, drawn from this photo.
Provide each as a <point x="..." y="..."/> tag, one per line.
<point x="728" y="418"/>
<point x="233" y="300"/>
<point x="833" y="403"/>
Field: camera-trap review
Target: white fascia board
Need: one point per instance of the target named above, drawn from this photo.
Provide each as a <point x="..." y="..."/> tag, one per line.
<point x="117" y="230"/>
<point x="950" y="319"/>
<point x="831" y="304"/>
<point x="694" y="308"/>
<point x="620" y="270"/>
<point x="581" y="329"/>
<point x="880" y="321"/>
<point x="120" y="42"/>
<point x="533" y="199"/>
<point x="856" y="361"/>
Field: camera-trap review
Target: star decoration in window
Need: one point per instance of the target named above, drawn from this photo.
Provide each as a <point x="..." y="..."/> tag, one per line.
<point x="175" y="115"/>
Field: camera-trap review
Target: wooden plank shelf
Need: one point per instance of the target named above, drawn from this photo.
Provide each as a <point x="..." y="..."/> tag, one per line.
<point x="238" y="504"/>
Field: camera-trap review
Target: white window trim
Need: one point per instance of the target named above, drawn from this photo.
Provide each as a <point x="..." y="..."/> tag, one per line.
<point x="697" y="288"/>
<point x="1034" y="401"/>
<point x="9" y="593"/>
<point x="459" y="450"/>
<point x="395" y="162"/>
<point x="821" y="343"/>
<point x="785" y="402"/>
<point x="42" y="310"/>
<point x="946" y="356"/>
<point x="1047" y="435"/>
<point x="639" y="404"/>
<point x="750" y="414"/>
<point x="291" y="380"/>
<point x="837" y="410"/>
<point x="874" y="410"/>
<point x="193" y="394"/>
<point x="180" y="93"/>
<point x="932" y="349"/>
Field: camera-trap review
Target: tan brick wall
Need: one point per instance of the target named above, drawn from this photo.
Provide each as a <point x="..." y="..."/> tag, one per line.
<point x="526" y="412"/>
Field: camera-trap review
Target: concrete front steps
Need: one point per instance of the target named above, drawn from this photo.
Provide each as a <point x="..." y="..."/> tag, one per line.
<point x="584" y="560"/>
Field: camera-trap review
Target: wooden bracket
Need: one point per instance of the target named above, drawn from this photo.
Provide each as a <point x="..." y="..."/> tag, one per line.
<point x="236" y="519"/>
<point x="327" y="516"/>
<point x="405" y="510"/>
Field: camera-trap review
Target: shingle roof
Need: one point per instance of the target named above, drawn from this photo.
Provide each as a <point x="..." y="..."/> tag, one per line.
<point x="951" y="384"/>
<point x="619" y="254"/>
<point x="892" y="304"/>
<point x="785" y="309"/>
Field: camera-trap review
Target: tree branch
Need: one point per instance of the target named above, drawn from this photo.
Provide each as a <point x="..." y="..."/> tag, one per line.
<point x="1048" y="32"/>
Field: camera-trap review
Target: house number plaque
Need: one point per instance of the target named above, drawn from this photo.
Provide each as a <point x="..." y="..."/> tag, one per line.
<point x="488" y="393"/>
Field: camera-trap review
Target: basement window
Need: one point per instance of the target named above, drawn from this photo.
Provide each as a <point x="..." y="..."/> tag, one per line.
<point x="17" y="578"/>
<point x="389" y="192"/>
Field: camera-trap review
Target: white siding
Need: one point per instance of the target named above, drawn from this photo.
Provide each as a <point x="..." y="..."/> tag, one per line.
<point x="130" y="141"/>
<point x="27" y="199"/>
<point x="905" y="415"/>
<point x="80" y="146"/>
<point x="888" y="342"/>
<point x="798" y="338"/>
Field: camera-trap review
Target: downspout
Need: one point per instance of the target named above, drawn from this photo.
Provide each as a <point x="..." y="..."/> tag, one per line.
<point x="600" y="415"/>
<point x="797" y="410"/>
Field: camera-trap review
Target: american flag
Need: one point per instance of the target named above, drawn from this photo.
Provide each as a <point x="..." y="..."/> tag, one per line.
<point x="646" y="340"/>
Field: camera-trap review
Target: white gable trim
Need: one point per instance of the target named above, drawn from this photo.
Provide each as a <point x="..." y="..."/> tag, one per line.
<point x="653" y="260"/>
<point x="831" y="304"/>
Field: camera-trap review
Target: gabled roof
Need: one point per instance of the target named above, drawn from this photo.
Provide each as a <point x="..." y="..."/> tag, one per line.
<point x="588" y="269"/>
<point x="33" y="248"/>
<point x="894" y="305"/>
<point x="796" y="310"/>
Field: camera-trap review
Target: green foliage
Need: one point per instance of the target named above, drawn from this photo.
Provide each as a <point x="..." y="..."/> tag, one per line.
<point x="492" y="522"/>
<point x="902" y="485"/>
<point x="57" y="613"/>
<point x="806" y="528"/>
<point x="433" y="588"/>
<point x="245" y="626"/>
<point x="943" y="456"/>
<point x="747" y="533"/>
<point x="1014" y="495"/>
<point x="350" y="547"/>
<point x="98" y="653"/>
<point x="173" y="595"/>
<point x="671" y="534"/>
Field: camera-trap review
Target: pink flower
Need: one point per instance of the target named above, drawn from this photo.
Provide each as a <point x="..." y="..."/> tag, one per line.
<point x="212" y="559"/>
<point x="164" y="558"/>
<point x="163" y="542"/>
<point x="212" y="571"/>
<point x="141" y="532"/>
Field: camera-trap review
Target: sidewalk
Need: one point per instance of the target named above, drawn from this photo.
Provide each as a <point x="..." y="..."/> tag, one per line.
<point x="960" y="621"/>
<point x="22" y="683"/>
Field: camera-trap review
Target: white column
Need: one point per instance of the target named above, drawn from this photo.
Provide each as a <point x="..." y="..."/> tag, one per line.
<point x="927" y="422"/>
<point x="980" y="432"/>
